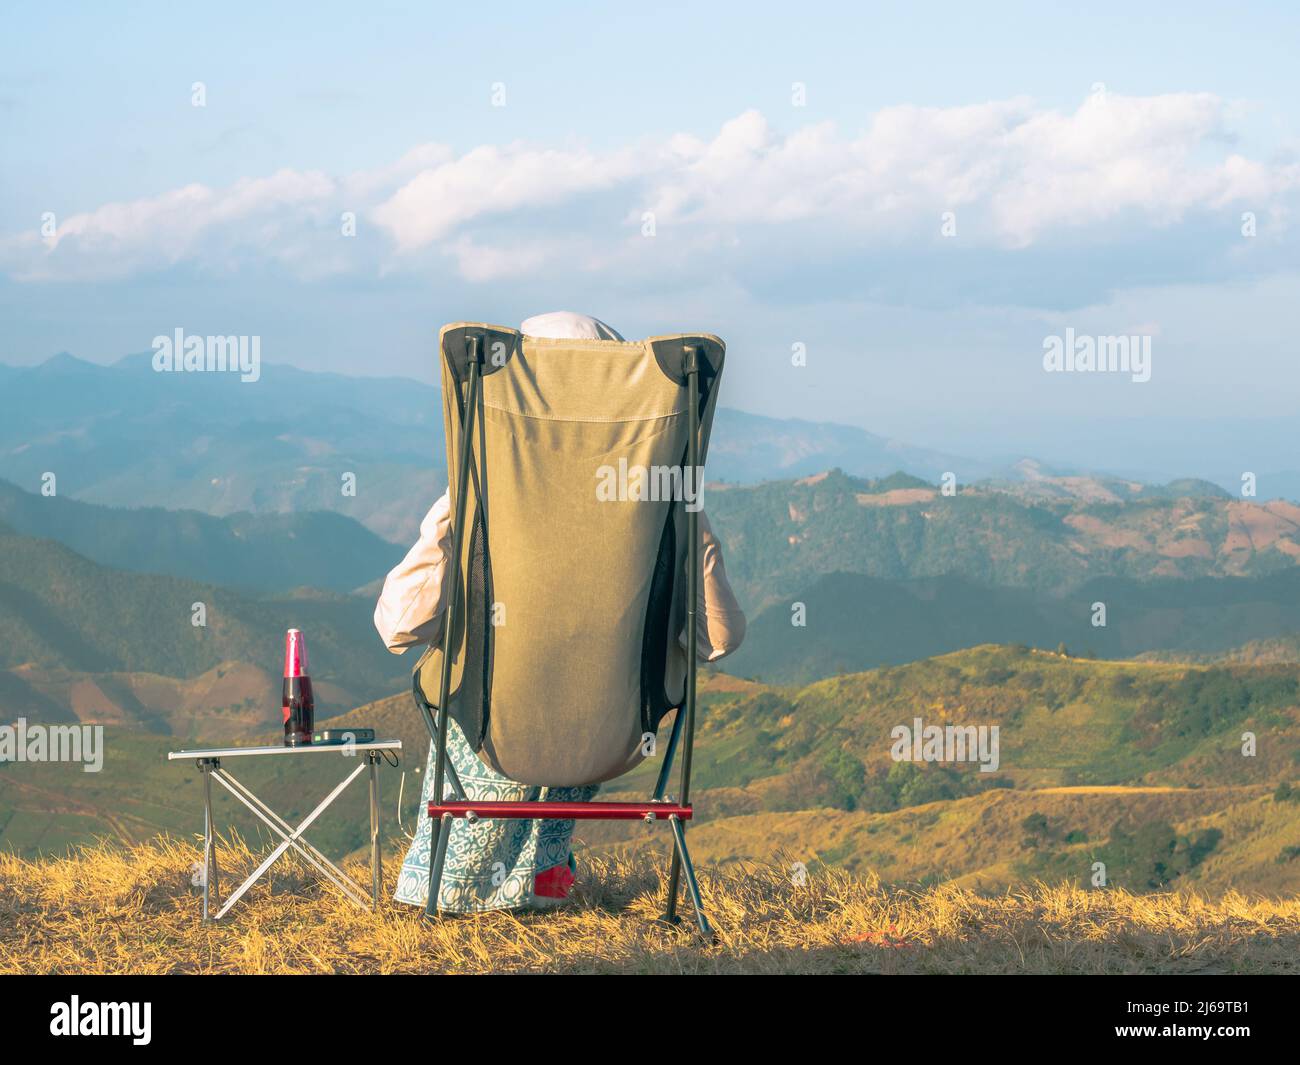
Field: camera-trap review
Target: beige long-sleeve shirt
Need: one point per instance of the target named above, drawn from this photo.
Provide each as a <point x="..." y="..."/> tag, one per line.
<point x="411" y="606"/>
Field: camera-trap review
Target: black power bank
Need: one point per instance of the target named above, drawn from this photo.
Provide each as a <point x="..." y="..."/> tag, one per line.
<point x="341" y="736"/>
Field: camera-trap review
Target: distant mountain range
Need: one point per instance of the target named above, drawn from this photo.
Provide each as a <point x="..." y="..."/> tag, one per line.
<point x="782" y="536"/>
<point x="749" y="448"/>
<point x="232" y="495"/>
<point x="886" y="571"/>
<point x="127" y="436"/>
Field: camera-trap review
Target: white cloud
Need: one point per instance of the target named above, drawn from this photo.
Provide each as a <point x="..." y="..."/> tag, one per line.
<point x="367" y="184"/>
<point x="1017" y="176"/>
<point x="268" y="217"/>
<point x="492" y="181"/>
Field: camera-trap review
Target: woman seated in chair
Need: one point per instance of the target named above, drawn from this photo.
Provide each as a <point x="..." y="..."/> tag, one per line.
<point x="507" y="864"/>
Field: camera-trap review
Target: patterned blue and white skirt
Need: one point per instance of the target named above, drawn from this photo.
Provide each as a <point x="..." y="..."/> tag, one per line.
<point x="490" y="865"/>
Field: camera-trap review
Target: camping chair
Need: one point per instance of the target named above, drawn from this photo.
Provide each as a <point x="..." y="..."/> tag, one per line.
<point x="560" y="653"/>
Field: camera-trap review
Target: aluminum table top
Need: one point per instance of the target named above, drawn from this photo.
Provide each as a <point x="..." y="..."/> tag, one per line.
<point x="309" y="748"/>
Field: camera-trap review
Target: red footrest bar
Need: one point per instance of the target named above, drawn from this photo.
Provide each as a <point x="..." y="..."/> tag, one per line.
<point x="563" y="811"/>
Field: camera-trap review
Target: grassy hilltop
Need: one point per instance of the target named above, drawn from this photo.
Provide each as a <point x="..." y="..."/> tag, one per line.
<point x="110" y="911"/>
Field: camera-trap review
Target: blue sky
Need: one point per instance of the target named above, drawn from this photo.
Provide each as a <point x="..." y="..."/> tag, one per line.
<point x="1097" y="162"/>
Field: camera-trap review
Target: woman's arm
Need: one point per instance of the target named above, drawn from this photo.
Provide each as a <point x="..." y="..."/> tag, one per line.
<point x="410" y="607"/>
<point x="720" y="625"/>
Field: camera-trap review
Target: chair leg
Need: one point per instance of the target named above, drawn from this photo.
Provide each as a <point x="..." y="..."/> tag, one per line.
<point x="438" y="854"/>
<point x="682" y="862"/>
<point x="674" y="882"/>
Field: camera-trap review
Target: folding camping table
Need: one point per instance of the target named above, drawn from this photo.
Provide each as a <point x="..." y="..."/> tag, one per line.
<point x="209" y="764"/>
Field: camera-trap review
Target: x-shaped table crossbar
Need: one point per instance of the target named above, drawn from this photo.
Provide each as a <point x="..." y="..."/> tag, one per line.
<point x="291" y="837"/>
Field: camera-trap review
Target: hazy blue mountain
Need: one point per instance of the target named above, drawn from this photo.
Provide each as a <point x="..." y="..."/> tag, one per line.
<point x="748" y="448"/>
<point x="126" y="436"/>
<point x="265" y="552"/>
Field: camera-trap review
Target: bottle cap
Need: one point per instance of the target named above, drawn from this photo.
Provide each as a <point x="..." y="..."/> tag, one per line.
<point x="295" y="654"/>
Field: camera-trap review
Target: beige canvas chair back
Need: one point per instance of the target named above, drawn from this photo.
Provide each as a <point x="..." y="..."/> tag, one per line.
<point x="567" y="651"/>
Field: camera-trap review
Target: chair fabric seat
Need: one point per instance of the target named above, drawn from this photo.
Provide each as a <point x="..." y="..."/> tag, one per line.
<point x="572" y="565"/>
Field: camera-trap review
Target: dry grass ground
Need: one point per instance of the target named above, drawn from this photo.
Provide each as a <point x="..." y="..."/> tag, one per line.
<point x="113" y="910"/>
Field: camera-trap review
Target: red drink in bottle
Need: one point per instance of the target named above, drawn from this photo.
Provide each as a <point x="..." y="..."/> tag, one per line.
<point x="297" y="703"/>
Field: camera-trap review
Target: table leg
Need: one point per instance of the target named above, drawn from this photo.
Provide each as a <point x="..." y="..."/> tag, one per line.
<point x="211" y="886"/>
<point x="376" y="874"/>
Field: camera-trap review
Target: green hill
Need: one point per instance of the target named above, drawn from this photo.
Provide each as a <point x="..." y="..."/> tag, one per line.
<point x="1062" y="722"/>
<point x="1265" y="651"/>
<point x="1136" y="765"/>
<point x="1215" y="840"/>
